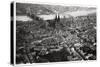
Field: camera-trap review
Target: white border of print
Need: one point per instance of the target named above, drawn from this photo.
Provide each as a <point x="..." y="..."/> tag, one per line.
<point x="53" y="3"/>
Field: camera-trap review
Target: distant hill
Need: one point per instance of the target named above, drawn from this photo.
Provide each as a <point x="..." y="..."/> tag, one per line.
<point x="62" y="9"/>
<point x="22" y="8"/>
<point x="44" y="9"/>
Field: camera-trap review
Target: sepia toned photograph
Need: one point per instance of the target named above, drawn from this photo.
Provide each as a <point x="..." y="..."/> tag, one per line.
<point x="54" y="33"/>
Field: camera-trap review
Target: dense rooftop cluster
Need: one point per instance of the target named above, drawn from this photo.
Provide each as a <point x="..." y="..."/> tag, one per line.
<point x="60" y="39"/>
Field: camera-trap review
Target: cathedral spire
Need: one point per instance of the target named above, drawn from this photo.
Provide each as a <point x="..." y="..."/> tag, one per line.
<point x="57" y="18"/>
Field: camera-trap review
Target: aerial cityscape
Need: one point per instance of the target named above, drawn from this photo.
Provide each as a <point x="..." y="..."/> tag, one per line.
<point x="54" y="33"/>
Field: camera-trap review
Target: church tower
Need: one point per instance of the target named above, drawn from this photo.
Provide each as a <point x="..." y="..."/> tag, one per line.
<point x="57" y="21"/>
<point x="57" y="18"/>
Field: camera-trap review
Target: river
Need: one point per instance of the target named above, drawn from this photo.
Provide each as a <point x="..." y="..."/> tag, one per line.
<point x="52" y="16"/>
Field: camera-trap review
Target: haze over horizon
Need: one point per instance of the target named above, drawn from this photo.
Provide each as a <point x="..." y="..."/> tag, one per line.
<point x="47" y="12"/>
